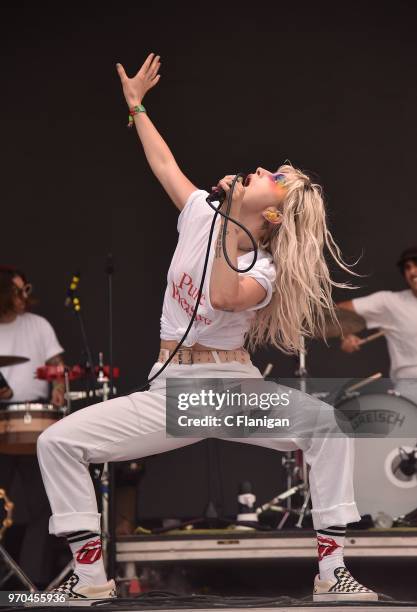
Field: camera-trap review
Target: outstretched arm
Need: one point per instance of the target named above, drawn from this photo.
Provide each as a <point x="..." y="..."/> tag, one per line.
<point x="158" y="154"/>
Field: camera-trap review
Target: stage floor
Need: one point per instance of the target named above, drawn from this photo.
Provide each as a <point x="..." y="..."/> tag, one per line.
<point x="233" y="544"/>
<point x="354" y="607"/>
<point x="273" y="564"/>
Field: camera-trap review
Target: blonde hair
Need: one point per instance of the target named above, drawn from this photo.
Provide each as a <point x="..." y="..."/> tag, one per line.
<point x="302" y="300"/>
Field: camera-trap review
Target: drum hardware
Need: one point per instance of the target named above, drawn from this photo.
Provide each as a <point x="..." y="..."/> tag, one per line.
<point x="67" y="396"/>
<point x="13" y="568"/>
<point x="79" y="395"/>
<point x="68" y="569"/>
<point x="53" y="373"/>
<point x="293" y="462"/>
<point x="302" y="374"/>
<point x="353" y="390"/>
<point x="104" y="376"/>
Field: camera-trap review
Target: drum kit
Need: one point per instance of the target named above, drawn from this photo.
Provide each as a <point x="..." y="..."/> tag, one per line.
<point x="385" y="469"/>
<point x="21" y="424"/>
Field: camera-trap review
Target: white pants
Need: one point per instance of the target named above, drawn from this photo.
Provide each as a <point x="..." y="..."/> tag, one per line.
<point x="133" y="426"/>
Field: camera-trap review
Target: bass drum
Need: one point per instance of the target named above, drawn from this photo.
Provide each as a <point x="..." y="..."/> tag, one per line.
<point x="383" y="424"/>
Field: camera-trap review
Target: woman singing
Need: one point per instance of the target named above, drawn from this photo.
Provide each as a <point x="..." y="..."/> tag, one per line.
<point x="285" y="295"/>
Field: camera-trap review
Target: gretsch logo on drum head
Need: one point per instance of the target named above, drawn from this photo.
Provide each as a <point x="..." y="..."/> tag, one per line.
<point x="377" y="421"/>
<point x="377" y="415"/>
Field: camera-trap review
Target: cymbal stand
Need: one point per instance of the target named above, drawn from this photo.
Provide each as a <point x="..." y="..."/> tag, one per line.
<point x="283" y="501"/>
<point x="302" y="374"/>
<point x="15" y="569"/>
<point x="67" y="409"/>
<point x="11" y="564"/>
<point x="104" y="381"/>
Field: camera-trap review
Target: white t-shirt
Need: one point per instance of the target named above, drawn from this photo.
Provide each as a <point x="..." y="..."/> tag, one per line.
<point x="396" y="314"/>
<point x="29" y="335"/>
<point x="216" y="328"/>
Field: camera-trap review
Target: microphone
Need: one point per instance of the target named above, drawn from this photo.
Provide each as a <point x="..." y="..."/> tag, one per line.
<point x="75" y="279"/>
<point x="218" y="194"/>
<point x="408" y="463"/>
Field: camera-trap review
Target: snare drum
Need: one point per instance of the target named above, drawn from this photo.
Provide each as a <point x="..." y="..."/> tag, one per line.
<point x="21" y="425"/>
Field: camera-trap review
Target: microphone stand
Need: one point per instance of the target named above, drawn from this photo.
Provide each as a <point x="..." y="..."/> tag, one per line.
<point x="111" y="558"/>
<point x="73" y="301"/>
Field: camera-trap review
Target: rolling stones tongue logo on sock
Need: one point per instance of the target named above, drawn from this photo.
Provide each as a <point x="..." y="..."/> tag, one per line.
<point x="325" y="547"/>
<point x="90" y="552"/>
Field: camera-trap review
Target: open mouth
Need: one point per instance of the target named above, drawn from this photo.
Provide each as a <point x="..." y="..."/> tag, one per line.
<point x="247" y="181"/>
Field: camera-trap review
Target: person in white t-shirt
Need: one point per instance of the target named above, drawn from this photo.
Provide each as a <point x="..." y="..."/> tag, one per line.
<point x="25" y="334"/>
<point x="284" y="295"/>
<point x="395" y="313"/>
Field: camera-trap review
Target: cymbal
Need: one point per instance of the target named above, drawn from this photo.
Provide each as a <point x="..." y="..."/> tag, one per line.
<point x="8" y="360"/>
<point x="349" y="323"/>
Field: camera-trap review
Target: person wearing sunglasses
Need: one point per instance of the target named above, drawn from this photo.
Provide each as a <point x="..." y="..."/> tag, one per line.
<point x="282" y="296"/>
<point x="28" y="335"/>
<point x="25" y="334"/>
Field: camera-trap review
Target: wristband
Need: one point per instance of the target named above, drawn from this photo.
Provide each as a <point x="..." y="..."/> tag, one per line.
<point x="135" y="110"/>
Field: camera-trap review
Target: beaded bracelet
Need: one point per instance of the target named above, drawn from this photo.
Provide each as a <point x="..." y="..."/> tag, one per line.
<point x="135" y="111"/>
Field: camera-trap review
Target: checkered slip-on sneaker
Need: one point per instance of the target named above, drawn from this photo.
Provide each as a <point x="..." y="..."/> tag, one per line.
<point x="343" y="588"/>
<point x="83" y="595"/>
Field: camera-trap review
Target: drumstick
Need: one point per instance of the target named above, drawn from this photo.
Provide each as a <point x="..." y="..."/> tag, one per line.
<point x="372" y="337"/>
<point x="364" y="382"/>
<point x="267" y="370"/>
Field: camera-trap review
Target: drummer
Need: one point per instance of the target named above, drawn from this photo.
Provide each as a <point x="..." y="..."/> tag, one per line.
<point x="395" y="312"/>
<point x="28" y="335"/>
<point x="25" y="334"/>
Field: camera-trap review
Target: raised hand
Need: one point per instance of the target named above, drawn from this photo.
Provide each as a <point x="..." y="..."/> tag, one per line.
<point x="135" y="88"/>
<point x="238" y="191"/>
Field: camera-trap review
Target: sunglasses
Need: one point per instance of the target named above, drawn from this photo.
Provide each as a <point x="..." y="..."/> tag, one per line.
<point x="24" y="291"/>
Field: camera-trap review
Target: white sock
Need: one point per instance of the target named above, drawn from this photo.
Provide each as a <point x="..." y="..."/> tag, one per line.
<point x="330" y="547"/>
<point x="86" y="550"/>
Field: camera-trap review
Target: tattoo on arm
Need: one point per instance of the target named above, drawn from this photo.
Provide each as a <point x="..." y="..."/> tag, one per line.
<point x="218" y="249"/>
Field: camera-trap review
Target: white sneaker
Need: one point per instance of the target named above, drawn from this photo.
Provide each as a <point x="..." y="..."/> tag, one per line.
<point x="343" y="588"/>
<point x="83" y="595"/>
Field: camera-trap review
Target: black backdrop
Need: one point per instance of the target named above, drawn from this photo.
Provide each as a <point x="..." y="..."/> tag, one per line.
<point x="329" y="86"/>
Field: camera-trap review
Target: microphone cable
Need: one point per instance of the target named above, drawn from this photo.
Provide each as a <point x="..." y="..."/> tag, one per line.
<point x="227" y="218"/>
